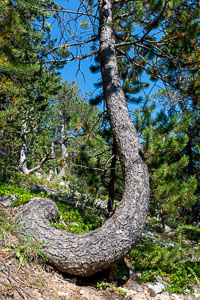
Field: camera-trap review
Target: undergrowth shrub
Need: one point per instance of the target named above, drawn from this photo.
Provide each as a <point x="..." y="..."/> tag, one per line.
<point x="23" y="196"/>
<point x="77" y="221"/>
<point x="177" y="264"/>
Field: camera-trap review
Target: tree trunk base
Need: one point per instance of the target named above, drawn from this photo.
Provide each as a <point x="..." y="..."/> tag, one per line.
<point x="76" y="254"/>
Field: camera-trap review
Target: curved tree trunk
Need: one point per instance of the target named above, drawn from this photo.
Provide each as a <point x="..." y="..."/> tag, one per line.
<point x="96" y="250"/>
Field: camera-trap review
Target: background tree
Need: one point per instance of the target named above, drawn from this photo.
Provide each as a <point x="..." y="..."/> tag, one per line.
<point x="164" y="140"/>
<point x="25" y="84"/>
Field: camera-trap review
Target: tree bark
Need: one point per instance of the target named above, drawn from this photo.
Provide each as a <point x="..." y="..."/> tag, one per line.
<point x="63" y="139"/>
<point x="111" y="185"/>
<point x="23" y="156"/>
<point x="96" y="250"/>
<point x="22" y="168"/>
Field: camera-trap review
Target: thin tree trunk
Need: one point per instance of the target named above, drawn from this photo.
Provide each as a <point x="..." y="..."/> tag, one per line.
<point x="96" y="250"/>
<point x="53" y="155"/>
<point x="63" y="136"/>
<point x="22" y="168"/>
<point x="62" y="144"/>
<point x="23" y="152"/>
<point x="23" y="156"/>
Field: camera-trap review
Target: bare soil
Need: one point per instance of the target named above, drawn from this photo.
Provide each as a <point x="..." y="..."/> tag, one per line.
<point x="36" y="281"/>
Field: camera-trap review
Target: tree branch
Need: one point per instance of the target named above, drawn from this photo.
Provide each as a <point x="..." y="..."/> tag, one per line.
<point x="73" y="58"/>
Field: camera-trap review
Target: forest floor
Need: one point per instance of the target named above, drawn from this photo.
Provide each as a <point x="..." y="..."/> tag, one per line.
<point x="31" y="279"/>
<point x="24" y="273"/>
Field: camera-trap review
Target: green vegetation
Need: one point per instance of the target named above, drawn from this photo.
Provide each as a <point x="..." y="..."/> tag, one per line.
<point x="72" y="220"/>
<point x="172" y="256"/>
<point x="29" y="250"/>
<point x="176" y="262"/>
<point x="48" y="126"/>
<point x="25" y="251"/>
<point x="21" y="195"/>
<point x="6" y="225"/>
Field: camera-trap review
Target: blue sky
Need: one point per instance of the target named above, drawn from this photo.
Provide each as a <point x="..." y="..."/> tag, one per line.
<point x="69" y="73"/>
<point x="86" y="82"/>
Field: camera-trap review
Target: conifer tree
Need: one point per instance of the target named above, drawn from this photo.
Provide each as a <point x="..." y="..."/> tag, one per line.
<point x="165" y="139"/>
<point x="25" y="83"/>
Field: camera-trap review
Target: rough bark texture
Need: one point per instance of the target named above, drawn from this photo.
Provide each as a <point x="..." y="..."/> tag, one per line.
<point x="111" y="185"/>
<point x="94" y="251"/>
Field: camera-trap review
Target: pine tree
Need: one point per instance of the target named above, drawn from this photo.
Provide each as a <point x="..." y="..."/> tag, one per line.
<point x="25" y="83"/>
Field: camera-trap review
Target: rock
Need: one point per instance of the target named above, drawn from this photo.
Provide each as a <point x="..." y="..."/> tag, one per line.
<point x="61" y="294"/>
<point x="138" y="274"/>
<point x="156" y="289"/>
<point x="82" y="292"/>
<point x="167" y="229"/>
<point x="133" y="275"/>
<point x="137" y="287"/>
<point x="160" y="280"/>
<point x="165" y="294"/>
<point x="8" y="200"/>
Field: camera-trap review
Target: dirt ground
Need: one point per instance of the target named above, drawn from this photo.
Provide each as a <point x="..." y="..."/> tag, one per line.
<point x="34" y="280"/>
<point x="38" y="282"/>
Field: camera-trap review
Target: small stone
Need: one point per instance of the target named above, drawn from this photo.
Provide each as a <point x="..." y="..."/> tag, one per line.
<point x="160" y="279"/>
<point x="82" y="292"/>
<point x="134" y="292"/>
<point x="133" y="276"/>
<point x="8" y="200"/>
<point x="152" y="293"/>
<point x="156" y="289"/>
<point x="167" y="229"/>
<point x="61" y="294"/>
<point x="137" y="287"/>
<point x="138" y="274"/>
